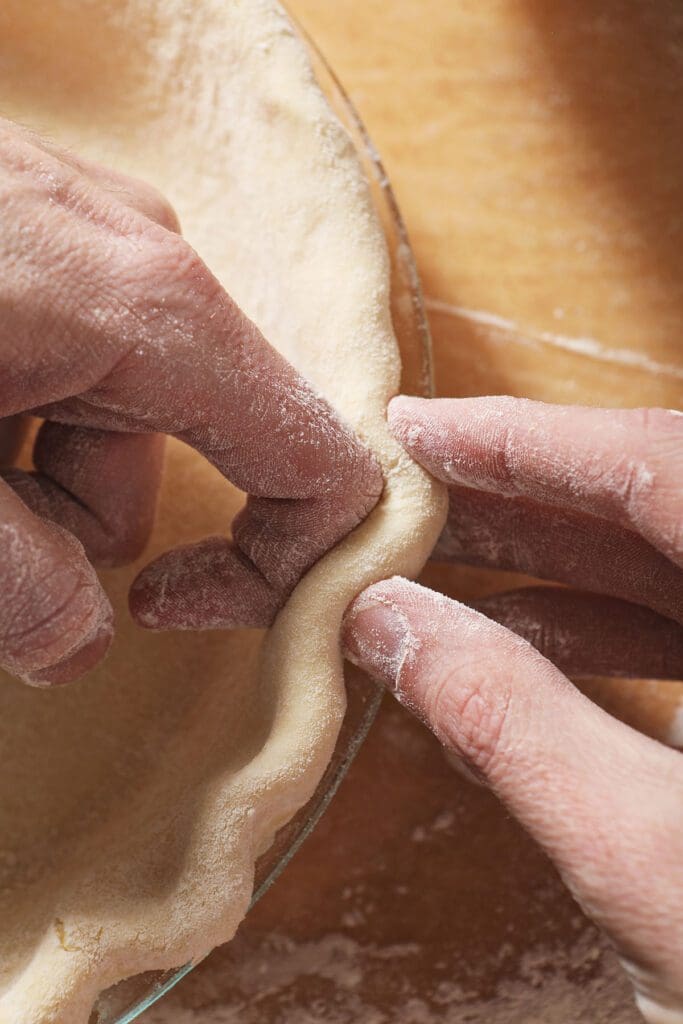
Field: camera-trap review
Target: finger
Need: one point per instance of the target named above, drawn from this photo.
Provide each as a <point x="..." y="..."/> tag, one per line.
<point x="101" y="486"/>
<point x="207" y="585"/>
<point x="587" y="635"/>
<point x="622" y="465"/>
<point x="55" y="619"/>
<point x="603" y="800"/>
<point x="567" y="546"/>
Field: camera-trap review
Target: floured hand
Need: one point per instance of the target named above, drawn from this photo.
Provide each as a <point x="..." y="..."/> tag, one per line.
<point x="116" y="333"/>
<point x="594" y="499"/>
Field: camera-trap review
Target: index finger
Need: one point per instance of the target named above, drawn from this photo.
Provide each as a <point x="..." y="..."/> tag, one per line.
<point x="625" y="465"/>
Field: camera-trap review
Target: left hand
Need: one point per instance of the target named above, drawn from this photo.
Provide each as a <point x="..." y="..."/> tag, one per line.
<point x="114" y="331"/>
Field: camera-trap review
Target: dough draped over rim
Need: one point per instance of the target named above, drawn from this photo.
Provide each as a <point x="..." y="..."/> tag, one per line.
<point x="134" y="803"/>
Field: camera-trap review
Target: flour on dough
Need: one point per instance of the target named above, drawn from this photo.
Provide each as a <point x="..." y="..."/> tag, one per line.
<point x="133" y="804"/>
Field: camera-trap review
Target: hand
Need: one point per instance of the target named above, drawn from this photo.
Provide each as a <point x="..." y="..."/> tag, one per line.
<point x="115" y="332"/>
<point x="592" y="498"/>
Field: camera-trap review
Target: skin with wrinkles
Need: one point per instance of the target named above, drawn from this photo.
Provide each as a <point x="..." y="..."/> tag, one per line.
<point x="115" y="332"/>
<point x="561" y="544"/>
<point x="585" y="634"/>
<point x="592" y="498"/>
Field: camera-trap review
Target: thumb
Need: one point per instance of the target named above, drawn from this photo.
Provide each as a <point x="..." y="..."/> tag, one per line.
<point x="55" y="619"/>
<point x="605" y="802"/>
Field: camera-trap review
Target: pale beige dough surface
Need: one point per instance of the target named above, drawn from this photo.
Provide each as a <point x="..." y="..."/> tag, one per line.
<point x="133" y="804"/>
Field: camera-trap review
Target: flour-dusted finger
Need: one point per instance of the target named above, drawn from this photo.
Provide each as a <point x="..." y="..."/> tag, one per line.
<point x="585" y="634"/>
<point x="100" y="485"/>
<point x="625" y="465"/>
<point x="207" y="585"/>
<point x="604" y="801"/>
<point x="564" y="545"/>
<point x="55" y="619"/>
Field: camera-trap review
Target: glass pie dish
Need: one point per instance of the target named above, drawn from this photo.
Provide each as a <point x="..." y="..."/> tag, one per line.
<point x="126" y="1001"/>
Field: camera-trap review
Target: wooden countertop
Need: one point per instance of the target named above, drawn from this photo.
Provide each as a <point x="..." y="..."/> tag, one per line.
<point x="536" y="149"/>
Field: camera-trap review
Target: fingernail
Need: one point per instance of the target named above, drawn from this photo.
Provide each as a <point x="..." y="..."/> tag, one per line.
<point x="376" y="636"/>
<point x="406" y="407"/>
<point x="407" y="419"/>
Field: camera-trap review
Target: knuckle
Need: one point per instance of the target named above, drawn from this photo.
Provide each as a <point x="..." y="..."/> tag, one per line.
<point x="169" y="256"/>
<point x="135" y="205"/>
<point x="470" y="704"/>
<point x="163" y="275"/>
<point x="183" y="270"/>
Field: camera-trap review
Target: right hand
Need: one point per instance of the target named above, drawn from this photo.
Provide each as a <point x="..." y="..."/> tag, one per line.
<point x="594" y="498"/>
<point x="116" y="333"/>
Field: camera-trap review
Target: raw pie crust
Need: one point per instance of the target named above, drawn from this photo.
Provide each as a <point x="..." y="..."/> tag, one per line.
<point x="134" y="803"/>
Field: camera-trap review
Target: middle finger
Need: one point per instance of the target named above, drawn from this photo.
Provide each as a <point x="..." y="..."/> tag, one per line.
<point x="491" y="531"/>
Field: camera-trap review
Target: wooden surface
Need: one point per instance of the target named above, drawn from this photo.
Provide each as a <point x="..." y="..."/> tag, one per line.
<point x="536" y="150"/>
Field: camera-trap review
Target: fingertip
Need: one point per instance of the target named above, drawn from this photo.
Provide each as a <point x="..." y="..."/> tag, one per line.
<point x="402" y="405"/>
<point x="443" y="660"/>
<point x="435" y="429"/>
<point x="365" y="481"/>
<point x="207" y="585"/>
<point x="389" y="630"/>
<point x="143" y="606"/>
<point x="155" y="596"/>
<point x="428" y="428"/>
<point x="404" y="412"/>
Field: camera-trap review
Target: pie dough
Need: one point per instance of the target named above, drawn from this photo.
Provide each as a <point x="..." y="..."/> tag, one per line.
<point x="134" y="803"/>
